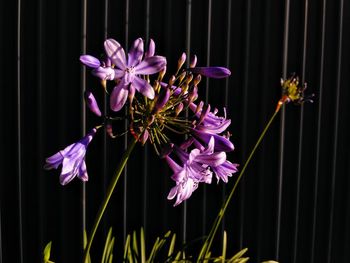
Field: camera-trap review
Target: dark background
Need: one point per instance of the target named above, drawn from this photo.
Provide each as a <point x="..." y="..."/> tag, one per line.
<point x="293" y="204"/>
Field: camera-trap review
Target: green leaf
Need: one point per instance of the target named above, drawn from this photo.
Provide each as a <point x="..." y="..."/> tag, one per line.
<point x="153" y="250"/>
<point x="104" y="255"/>
<point x="224" y="246"/>
<point x="172" y="245"/>
<point x="239" y="254"/>
<point x="134" y="244"/>
<point x="110" y="247"/>
<point x="47" y="252"/>
<point x="143" y="246"/>
<point x="126" y="247"/>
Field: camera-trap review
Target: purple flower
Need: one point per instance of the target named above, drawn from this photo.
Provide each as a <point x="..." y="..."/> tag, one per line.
<point x="225" y="170"/>
<point x="72" y="159"/>
<point x="194" y="169"/>
<point x="128" y="70"/>
<point x="211" y="125"/>
<point x="212" y="72"/>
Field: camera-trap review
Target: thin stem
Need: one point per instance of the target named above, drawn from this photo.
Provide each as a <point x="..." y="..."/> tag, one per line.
<point x="108" y="196"/>
<point x="208" y="241"/>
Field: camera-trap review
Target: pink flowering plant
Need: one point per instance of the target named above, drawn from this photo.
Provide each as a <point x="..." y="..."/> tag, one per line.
<point x="162" y="107"/>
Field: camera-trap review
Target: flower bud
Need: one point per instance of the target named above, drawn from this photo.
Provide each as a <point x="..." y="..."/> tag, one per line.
<point x="197" y="79"/>
<point x="199" y="107"/>
<point x="193" y="62"/>
<point x="90" y="61"/>
<point x="172" y="80"/>
<point x="212" y="72"/>
<point x="162" y="99"/>
<point x="161" y="74"/>
<point x="109" y="130"/>
<point x="91" y="103"/>
<point x="143" y="139"/>
<point x="181" y="61"/>
<point x="179" y="108"/>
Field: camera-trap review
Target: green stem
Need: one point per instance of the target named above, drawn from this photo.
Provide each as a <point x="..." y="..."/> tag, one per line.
<point x="108" y="196"/>
<point x="209" y="240"/>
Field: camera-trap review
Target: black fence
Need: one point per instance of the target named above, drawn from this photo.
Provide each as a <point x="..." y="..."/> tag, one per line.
<point x="293" y="204"/>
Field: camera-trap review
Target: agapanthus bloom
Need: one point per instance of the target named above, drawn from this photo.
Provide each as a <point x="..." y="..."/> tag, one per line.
<point x="194" y="169"/>
<point x="128" y="71"/>
<point x="161" y="112"/>
<point x="72" y="159"/>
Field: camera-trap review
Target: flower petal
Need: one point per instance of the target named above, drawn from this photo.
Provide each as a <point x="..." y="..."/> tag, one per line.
<point x="90" y="61"/>
<point x="144" y="87"/>
<point x="172" y="192"/>
<point x="104" y="73"/>
<point x="135" y="53"/>
<point x="82" y="173"/>
<point x="212" y="160"/>
<point x="115" y="52"/>
<point x="150" y="65"/>
<point x="173" y="165"/>
<point x="53" y="161"/>
<point x="151" y="49"/>
<point x="221" y="143"/>
<point x="119" y="96"/>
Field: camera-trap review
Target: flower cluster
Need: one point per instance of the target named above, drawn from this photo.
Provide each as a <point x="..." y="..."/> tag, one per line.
<point x="159" y="107"/>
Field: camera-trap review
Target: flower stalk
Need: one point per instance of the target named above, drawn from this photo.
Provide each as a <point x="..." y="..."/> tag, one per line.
<point x="209" y="240"/>
<point x="109" y="193"/>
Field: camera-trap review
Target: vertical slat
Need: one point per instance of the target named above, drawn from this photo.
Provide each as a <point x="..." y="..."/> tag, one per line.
<point x="300" y="143"/>
<point x="188" y="48"/>
<point x="41" y="73"/>
<point x="19" y="130"/>
<point x="318" y="136"/>
<point x="204" y="201"/>
<point x="245" y="114"/>
<point x="83" y="110"/>
<point x="226" y="92"/>
<point x="146" y="148"/>
<point x="0" y="234"/>
<point x="125" y="128"/>
<point x="282" y="131"/>
<point x="105" y="111"/>
<point x="336" y="128"/>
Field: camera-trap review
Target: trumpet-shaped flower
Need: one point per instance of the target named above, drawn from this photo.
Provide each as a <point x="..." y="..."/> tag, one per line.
<point x="194" y="169"/>
<point x="210" y="125"/>
<point x="128" y="70"/>
<point x="72" y="159"/>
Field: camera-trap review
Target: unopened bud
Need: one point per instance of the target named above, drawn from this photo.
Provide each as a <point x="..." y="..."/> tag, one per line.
<point x="179" y="108"/>
<point x="182" y="76"/>
<point x="199" y="107"/>
<point x="109" y="130"/>
<point x="143" y="139"/>
<point x="193" y="62"/>
<point x="92" y="103"/>
<point x="172" y="80"/>
<point x="197" y="79"/>
<point x="189" y="78"/>
<point x="193" y="95"/>
<point x="161" y="74"/>
<point x="162" y="99"/>
<point x="181" y="61"/>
